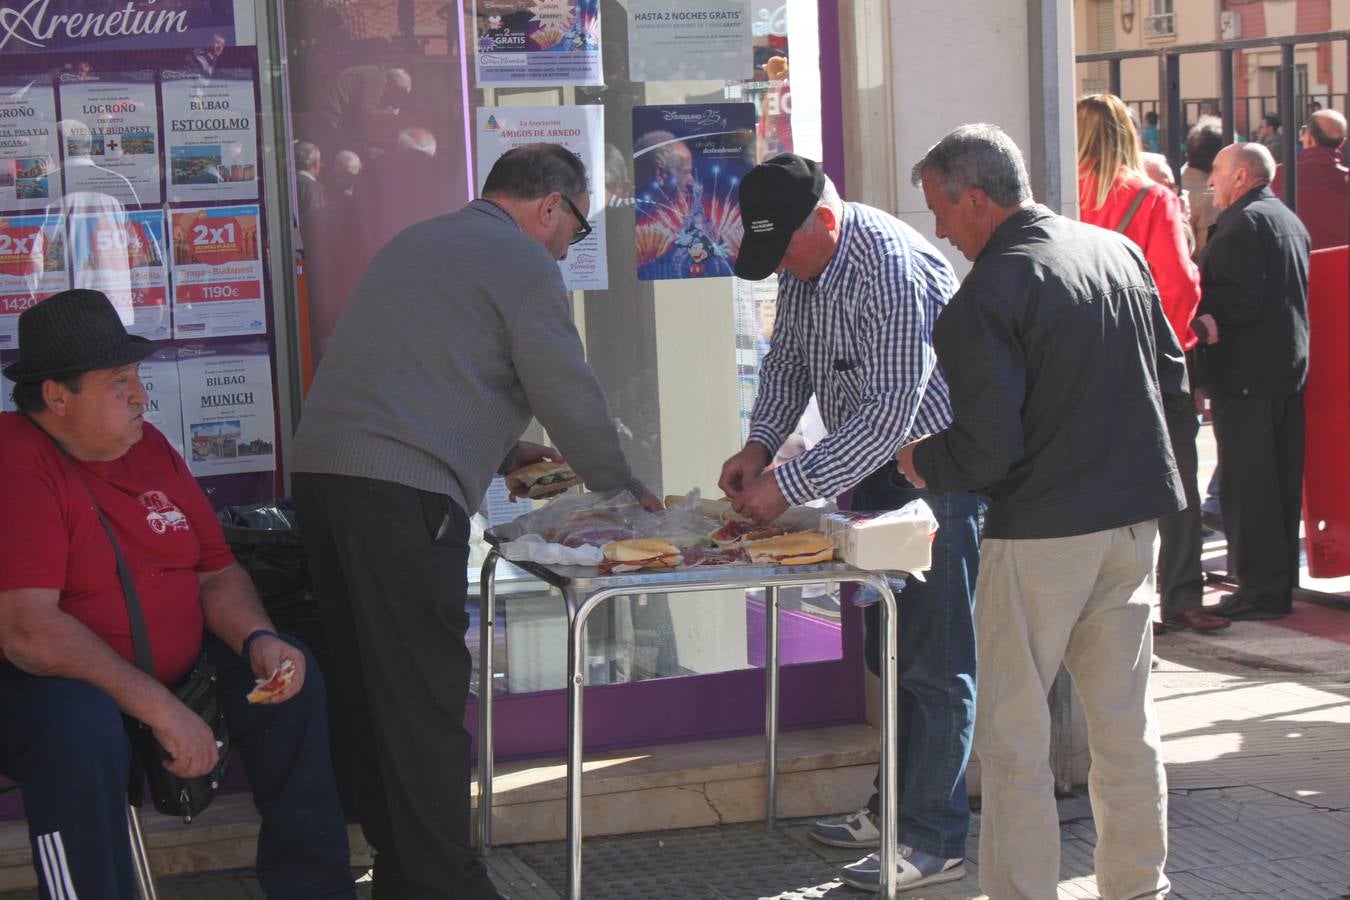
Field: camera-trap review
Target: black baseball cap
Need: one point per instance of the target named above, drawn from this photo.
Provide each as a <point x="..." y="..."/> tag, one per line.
<point x="776" y="197"/>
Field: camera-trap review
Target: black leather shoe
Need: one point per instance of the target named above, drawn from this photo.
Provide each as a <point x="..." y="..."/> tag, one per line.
<point x="1242" y="610"/>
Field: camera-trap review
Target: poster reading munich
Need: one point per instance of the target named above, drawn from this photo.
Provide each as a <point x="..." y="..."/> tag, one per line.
<point x="30" y="177"/>
<point x="32" y="268"/>
<point x="110" y="133"/>
<point x="688" y="162"/>
<point x="228" y="426"/>
<point x="210" y="136"/>
<point x="217" y="272"/>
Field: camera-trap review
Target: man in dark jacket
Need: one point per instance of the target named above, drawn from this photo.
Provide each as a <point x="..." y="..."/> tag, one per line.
<point x="1323" y="180"/>
<point x="1254" y="306"/>
<point x="1058" y="357"/>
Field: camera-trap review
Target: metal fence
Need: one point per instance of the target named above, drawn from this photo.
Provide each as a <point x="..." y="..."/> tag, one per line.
<point x="1240" y="115"/>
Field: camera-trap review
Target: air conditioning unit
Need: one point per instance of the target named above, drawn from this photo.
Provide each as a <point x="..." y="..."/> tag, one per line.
<point x="1230" y="25"/>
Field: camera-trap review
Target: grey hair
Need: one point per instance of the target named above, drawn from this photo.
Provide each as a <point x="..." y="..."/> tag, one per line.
<point x="306" y="155"/>
<point x="418" y="139"/>
<point x="347" y="161"/>
<point x="829" y="199"/>
<point x="400" y="79"/>
<point x="979" y="156"/>
<point x="531" y="171"/>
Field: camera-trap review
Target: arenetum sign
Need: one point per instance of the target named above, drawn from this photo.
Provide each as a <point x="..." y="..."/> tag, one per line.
<point x="42" y="26"/>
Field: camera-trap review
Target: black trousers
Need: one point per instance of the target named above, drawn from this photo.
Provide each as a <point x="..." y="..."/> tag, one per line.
<point x="388" y="566"/>
<point x="1180" y="579"/>
<point x="1261" y="493"/>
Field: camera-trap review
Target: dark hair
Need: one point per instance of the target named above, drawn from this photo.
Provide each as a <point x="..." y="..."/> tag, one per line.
<point x="27" y="395"/>
<point x="532" y="171"/>
<point x="1151" y="117"/>
<point x="1271" y="119"/>
<point x="1204" y="143"/>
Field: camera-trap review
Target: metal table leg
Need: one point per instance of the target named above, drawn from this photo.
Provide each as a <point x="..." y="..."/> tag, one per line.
<point x="486" y="635"/>
<point x="576" y="665"/>
<point x="887" y="786"/>
<point x="771" y="704"/>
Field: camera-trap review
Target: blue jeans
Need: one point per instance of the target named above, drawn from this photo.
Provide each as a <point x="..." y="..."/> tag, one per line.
<point x="935" y="706"/>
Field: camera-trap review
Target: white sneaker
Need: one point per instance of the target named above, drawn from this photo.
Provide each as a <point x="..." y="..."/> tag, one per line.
<point x="857" y="829"/>
<point x="913" y="868"/>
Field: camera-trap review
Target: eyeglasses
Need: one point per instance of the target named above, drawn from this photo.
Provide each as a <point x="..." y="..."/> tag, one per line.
<point x="584" y="228"/>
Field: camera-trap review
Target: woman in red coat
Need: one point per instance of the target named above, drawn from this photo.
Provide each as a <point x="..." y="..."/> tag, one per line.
<point x="1114" y="192"/>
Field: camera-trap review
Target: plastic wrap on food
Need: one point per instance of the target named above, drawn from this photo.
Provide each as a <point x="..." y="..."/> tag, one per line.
<point x="533" y="548"/>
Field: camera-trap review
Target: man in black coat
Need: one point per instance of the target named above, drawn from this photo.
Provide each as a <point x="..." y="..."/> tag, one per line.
<point x="1254" y="307"/>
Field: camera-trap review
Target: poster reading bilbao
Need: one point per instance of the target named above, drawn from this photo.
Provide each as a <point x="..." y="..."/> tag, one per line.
<point x="210" y="136"/>
<point x="32" y="268"/>
<point x="688" y="162"/>
<point x="521" y="43"/>
<point x="217" y="272"/>
<point x="110" y="135"/>
<point x="122" y="254"/>
<point x="228" y="423"/>
<point x="30" y="177"/>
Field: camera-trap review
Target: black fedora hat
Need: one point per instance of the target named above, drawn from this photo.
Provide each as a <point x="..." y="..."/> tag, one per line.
<point x="73" y="332"/>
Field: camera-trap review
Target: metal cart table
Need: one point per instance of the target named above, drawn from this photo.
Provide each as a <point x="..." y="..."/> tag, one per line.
<point x="584" y="588"/>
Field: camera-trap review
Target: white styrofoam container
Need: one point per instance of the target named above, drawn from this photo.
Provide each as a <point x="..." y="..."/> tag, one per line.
<point x="896" y="540"/>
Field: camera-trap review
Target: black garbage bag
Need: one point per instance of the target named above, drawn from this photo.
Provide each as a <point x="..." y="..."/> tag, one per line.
<point x="265" y="539"/>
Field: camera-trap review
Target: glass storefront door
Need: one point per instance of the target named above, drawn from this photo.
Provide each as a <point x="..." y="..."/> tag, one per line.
<point x="391" y="119"/>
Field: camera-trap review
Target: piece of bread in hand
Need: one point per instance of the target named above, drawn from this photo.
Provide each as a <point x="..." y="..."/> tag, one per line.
<point x="541" y="479"/>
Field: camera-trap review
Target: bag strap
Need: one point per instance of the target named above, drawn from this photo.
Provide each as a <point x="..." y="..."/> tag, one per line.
<point x="140" y="635"/>
<point x="1134" y="208"/>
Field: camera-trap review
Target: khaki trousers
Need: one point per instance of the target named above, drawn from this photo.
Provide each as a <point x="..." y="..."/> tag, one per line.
<point x="1084" y="601"/>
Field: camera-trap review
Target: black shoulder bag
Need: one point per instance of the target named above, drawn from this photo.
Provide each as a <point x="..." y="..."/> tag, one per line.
<point x="172" y="794"/>
<point x="200" y="692"/>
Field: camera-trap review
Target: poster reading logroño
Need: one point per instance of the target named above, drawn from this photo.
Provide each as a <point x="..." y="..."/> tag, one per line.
<point x="30" y="177"/>
<point x="110" y="134"/>
<point x="217" y="272"/>
<point x="210" y="136"/>
<point x="123" y="255"/>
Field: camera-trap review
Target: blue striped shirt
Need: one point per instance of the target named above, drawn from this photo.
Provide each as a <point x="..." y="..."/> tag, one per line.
<point x="860" y="336"/>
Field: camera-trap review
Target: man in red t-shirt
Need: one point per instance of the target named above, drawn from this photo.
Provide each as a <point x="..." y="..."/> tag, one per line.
<point x="79" y="445"/>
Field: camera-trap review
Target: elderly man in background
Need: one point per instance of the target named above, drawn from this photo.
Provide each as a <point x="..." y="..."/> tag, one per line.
<point x="1323" y="180"/>
<point x="436" y="368"/>
<point x="1254" y="322"/>
<point x="1057" y="352"/>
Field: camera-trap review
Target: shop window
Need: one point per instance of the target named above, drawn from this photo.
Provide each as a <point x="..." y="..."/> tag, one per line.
<point x="405" y="125"/>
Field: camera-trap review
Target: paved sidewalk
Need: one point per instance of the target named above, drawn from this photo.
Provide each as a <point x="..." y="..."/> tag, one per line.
<point x="1256" y="729"/>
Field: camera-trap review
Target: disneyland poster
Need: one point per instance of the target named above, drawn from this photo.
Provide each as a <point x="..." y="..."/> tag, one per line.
<point x="217" y="272"/>
<point x="228" y="422"/>
<point x="539" y="43"/>
<point x="688" y="162"/>
<point x="686" y="40"/>
<point x="210" y="136"/>
<point x="123" y="255"/>
<point x="32" y="268"/>
<point x="164" y="409"/>
<point x="580" y="129"/>
<point x="110" y="132"/>
<point x="30" y="177"/>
